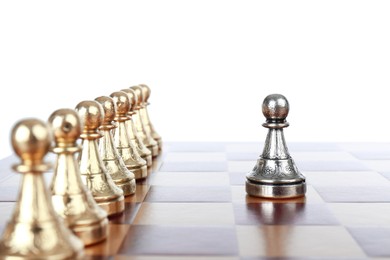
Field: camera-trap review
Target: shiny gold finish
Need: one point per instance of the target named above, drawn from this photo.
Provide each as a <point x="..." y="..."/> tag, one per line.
<point x="145" y="116"/>
<point x="35" y="231"/>
<point x="144" y="152"/>
<point x="125" y="148"/>
<point x="93" y="173"/>
<point x="71" y="199"/>
<point x="145" y="135"/>
<point x="114" y="164"/>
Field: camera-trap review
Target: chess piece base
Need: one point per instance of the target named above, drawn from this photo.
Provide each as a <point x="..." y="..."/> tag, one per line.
<point x="153" y="149"/>
<point x="92" y="234"/>
<point x="113" y="207"/>
<point x="140" y="172"/>
<point x="275" y="191"/>
<point x="148" y="159"/>
<point x="159" y="142"/>
<point x="128" y="187"/>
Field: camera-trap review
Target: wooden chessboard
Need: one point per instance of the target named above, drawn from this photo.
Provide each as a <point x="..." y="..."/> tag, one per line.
<point x="194" y="206"/>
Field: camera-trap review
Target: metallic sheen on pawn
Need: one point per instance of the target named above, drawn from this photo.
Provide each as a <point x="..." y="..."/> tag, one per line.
<point x="145" y="116"/>
<point x="275" y="175"/>
<point x="125" y="148"/>
<point x="145" y="135"/>
<point x="134" y="137"/>
<point x="114" y="164"/>
<point x="71" y="198"/>
<point x="93" y="172"/>
<point x="35" y="231"/>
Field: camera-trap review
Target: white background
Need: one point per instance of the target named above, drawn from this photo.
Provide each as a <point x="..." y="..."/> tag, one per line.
<point x="209" y="64"/>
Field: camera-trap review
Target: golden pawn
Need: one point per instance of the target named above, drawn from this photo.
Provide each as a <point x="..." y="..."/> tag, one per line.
<point x="93" y="173"/>
<point x="144" y="152"/>
<point x="71" y="199"/>
<point x="145" y="135"/>
<point x="125" y="148"/>
<point x="35" y="231"/>
<point x="114" y="164"/>
<point x="145" y="116"/>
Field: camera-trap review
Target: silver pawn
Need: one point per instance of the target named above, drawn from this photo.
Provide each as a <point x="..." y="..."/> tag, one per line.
<point x="275" y="174"/>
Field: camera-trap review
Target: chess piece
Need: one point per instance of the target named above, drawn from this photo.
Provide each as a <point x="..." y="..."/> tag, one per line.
<point x="35" y="231"/>
<point x="145" y="116"/>
<point x="145" y="135"/>
<point x="125" y="148"/>
<point x="114" y="164"/>
<point x="71" y="199"/>
<point x="93" y="173"/>
<point x="275" y="174"/>
<point x="144" y="152"/>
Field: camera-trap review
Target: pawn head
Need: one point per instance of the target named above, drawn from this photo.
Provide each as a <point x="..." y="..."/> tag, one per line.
<point x="65" y="125"/>
<point x="139" y="93"/>
<point x="31" y="140"/>
<point x="91" y="114"/>
<point x="275" y="107"/>
<point x="146" y="91"/>
<point x="122" y="102"/>
<point x="109" y="108"/>
<point x="132" y="97"/>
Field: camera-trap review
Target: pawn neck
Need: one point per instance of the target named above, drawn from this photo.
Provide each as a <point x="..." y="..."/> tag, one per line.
<point x="275" y="145"/>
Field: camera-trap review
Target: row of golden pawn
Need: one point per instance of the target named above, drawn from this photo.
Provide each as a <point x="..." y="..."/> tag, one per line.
<point x="118" y="144"/>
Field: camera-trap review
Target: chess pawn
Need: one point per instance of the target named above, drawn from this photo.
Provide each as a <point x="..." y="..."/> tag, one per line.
<point x="93" y="172"/>
<point x="275" y="174"/>
<point x="114" y="164"/>
<point x="145" y="116"/>
<point x="144" y="152"/>
<point x="125" y="148"/>
<point x="145" y="135"/>
<point x="71" y="199"/>
<point x="35" y="231"/>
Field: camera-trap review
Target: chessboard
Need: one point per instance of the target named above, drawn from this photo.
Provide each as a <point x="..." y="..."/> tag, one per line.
<point x="193" y="205"/>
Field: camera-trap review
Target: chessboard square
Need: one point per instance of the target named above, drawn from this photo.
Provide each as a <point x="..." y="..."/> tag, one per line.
<point x="304" y="258"/>
<point x="9" y="193"/>
<point x="374" y="241"/>
<point x="365" y="146"/>
<point x="370" y="194"/>
<point x="288" y="213"/>
<point x="194" y="166"/>
<point x="174" y="240"/>
<point x="172" y="257"/>
<point x="196" y="147"/>
<point x="319" y="156"/>
<point x="185" y="214"/>
<point x="362" y="214"/>
<point x="6" y="209"/>
<point x="239" y="195"/>
<point x="253" y="147"/>
<point x="331" y="166"/>
<point x="372" y="155"/>
<point x="297" y="241"/>
<point x="110" y="246"/>
<point x="195" y="157"/>
<point x="313" y="147"/>
<point x="6" y="171"/>
<point x="128" y="215"/>
<point x="237" y="178"/>
<point x="241" y="156"/>
<point x="190" y="179"/>
<point x="386" y="175"/>
<point x="348" y="178"/>
<point x="140" y="193"/>
<point x="241" y="166"/>
<point x="188" y="194"/>
<point x="377" y="165"/>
